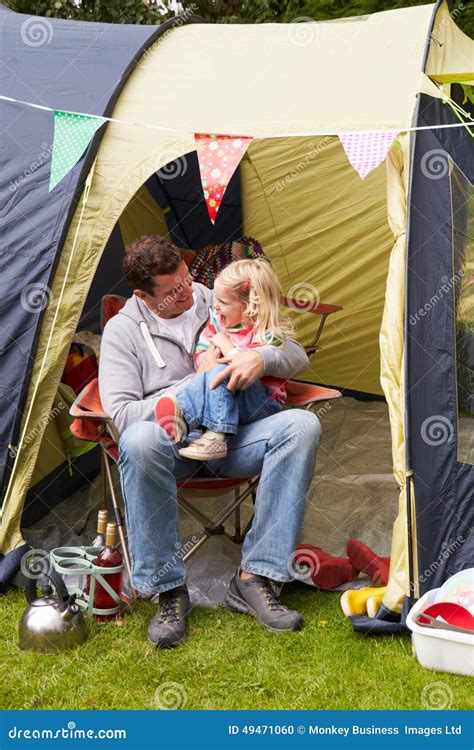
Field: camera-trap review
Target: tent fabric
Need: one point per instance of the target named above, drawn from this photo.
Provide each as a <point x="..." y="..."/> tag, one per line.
<point x="451" y="57"/>
<point x="443" y="483"/>
<point x="392" y="347"/>
<point x="68" y="72"/>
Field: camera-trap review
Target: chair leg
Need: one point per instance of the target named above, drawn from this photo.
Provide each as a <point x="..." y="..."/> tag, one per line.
<point x="102" y="482"/>
<point x="118" y="519"/>
<point x="237" y="523"/>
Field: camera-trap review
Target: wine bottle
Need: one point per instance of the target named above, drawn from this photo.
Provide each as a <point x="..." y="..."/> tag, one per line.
<point x="99" y="541"/>
<point x="110" y="557"/>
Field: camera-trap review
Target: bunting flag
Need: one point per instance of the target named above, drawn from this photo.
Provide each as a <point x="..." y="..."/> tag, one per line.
<point x="72" y="135"/>
<point x="366" y="150"/>
<point x="218" y="156"/>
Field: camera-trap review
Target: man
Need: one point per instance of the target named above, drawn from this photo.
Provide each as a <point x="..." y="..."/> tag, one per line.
<point x="147" y="348"/>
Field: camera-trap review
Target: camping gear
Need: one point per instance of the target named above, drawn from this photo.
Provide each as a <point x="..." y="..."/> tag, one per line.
<point x="50" y="623"/>
<point x="77" y="565"/>
<point x="454" y="614"/>
<point x="354" y="601"/>
<point x="459" y="589"/>
<point x="366" y="244"/>
<point x="324" y="570"/>
<point x="366" y="561"/>
<point x="441" y="649"/>
<point x="109" y="557"/>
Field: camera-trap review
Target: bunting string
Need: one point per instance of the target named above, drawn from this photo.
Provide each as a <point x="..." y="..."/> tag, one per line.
<point x="305" y="134"/>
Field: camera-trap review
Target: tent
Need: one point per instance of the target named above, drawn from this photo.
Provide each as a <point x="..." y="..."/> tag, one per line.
<point x="392" y="249"/>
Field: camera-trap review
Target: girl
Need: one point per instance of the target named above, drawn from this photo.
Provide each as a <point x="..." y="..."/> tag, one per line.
<point x="246" y="315"/>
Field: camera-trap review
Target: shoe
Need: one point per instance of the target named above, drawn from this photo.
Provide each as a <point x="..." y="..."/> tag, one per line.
<point x="373" y="604"/>
<point x="366" y="561"/>
<point x="205" y="448"/>
<point x="325" y="571"/>
<point x="256" y="597"/>
<point x="168" y="627"/>
<point x="354" y="602"/>
<point x="169" y="416"/>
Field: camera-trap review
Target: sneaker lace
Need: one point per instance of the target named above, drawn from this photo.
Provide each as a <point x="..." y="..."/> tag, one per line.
<point x="270" y="597"/>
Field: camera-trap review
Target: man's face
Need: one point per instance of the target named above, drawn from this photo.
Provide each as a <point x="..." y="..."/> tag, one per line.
<point x="172" y="293"/>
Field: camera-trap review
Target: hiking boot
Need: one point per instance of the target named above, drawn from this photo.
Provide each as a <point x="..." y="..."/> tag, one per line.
<point x="168" y="627"/>
<point x="257" y="597"/>
<point x="205" y="448"/>
<point x="169" y="416"/>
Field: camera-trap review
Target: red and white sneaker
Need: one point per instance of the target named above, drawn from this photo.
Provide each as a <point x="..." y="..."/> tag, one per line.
<point x="205" y="448"/>
<point x="170" y="418"/>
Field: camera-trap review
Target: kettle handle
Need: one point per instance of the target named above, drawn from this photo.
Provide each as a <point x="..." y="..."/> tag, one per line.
<point x="56" y="580"/>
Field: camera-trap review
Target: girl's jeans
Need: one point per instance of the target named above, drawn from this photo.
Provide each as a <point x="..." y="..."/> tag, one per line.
<point x="220" y="409"/>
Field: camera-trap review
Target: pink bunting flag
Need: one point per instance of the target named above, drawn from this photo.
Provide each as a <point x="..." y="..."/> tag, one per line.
<point x="218" y="156"/>
<point x="366" y="151"/>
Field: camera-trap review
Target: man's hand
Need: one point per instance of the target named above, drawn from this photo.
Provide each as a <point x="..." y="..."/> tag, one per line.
<point x="243" y="370"/>
<point x="209" y="359"/>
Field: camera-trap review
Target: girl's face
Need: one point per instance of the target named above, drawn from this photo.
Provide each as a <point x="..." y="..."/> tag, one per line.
<point x="228" y="306"/>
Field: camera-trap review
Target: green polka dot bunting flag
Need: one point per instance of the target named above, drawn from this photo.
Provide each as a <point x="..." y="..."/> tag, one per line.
<point x="72" y="135"/>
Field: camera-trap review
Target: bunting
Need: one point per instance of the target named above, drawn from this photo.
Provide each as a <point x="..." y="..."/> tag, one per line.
<point x="366" y="150"/>
<point x="218" y="156"/>
<point x="72" y="135"/>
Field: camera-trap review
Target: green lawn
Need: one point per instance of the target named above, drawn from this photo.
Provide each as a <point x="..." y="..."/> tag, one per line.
<point x="229" y="662"/>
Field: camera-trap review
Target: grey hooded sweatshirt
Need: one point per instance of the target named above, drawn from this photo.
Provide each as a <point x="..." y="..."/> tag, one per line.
<point x="140" y="359"/>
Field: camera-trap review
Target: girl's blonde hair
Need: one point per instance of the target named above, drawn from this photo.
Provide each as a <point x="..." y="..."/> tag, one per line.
<point x="255" y="283"/>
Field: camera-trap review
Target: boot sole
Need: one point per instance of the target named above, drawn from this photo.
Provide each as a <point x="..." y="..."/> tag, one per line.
<point x="234" y="604"/>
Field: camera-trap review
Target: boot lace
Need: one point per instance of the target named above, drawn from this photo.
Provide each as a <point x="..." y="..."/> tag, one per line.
<point x="269" y="595"/>
<point x="169" y="608"/>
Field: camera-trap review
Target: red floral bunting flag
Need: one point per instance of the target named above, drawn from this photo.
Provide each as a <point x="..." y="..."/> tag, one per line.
<point x="366" y="150"/>
<point x="219" y="157"/>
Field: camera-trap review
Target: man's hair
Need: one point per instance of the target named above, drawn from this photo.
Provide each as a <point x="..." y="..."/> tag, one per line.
<point x="148" y="256"/>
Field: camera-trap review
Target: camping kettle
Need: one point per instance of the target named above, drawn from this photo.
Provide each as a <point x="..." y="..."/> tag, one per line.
<point x="52" y="623"/>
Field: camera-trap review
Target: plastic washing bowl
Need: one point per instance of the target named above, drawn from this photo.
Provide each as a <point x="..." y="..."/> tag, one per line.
<point x="443" y="651"/>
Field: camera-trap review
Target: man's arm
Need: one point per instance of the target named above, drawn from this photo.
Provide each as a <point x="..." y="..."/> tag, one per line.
<point x="120" y="381"/>
<point x="244" y="368"/>
<point x="284" y="361"/>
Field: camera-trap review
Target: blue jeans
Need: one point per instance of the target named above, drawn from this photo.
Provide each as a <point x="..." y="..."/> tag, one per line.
<point x="220" y="409"/>
<point x="281" y="448"/>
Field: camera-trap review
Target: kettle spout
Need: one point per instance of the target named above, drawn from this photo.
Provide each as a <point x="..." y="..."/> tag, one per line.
<point x="70" y="610"/>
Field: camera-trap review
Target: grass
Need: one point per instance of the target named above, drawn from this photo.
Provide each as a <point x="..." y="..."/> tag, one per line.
<point x="229" y="662"/>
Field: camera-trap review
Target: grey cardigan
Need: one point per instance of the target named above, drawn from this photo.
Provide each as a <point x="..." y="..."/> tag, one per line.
<point x="139" y="359"/>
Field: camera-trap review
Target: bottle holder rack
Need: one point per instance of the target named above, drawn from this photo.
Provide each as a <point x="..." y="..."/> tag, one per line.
<point x="78" y="563"/>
